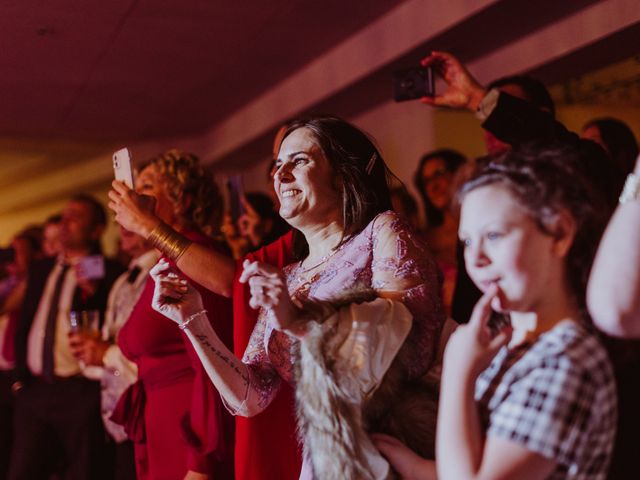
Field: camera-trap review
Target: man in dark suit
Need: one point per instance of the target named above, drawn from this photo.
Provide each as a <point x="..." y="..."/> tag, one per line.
<point x="55" y="405"/>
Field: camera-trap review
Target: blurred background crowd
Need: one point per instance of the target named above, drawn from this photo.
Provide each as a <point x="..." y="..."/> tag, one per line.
<point x="575" y="68"/>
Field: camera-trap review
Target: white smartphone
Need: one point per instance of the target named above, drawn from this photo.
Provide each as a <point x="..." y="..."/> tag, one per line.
<point x="122" y="167"/>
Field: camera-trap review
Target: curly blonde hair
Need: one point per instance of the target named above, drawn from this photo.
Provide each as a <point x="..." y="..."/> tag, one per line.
<point x="186" y="178"/>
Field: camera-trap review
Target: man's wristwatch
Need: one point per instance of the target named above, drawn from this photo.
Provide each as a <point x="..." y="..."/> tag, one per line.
<point x="631" y="190"/>
<point x="488" y="104"/>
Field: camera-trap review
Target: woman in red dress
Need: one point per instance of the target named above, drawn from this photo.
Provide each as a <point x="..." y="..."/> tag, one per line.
<point x="173" y="413"/>
<point x="266" y="446"/>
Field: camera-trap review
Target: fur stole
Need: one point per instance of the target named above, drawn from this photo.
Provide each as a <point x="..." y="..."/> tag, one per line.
<point x="336" y="413"/>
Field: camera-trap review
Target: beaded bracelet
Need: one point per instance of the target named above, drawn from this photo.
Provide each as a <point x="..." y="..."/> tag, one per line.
<point x="191" y="318"/>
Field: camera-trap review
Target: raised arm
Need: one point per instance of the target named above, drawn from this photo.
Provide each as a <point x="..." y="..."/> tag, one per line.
<point x="179" y="301"/>
<point x="613" y="293"/>
<point x="513" y="120"/>
<point x="210" y="268"/>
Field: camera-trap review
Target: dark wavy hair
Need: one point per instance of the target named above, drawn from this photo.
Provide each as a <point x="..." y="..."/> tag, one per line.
<point x="349" y="151"/>
<point x="188" y="179"/>
<point x="452" y="160"/>
<point x="547" y="178"/>
<point x="620" y="143"/>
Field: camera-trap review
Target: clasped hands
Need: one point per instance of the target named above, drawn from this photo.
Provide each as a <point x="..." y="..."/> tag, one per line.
<point x="268" y="289"/>
<point x="178" y="300"/>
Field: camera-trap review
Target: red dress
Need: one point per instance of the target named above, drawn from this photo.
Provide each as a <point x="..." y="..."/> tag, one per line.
<point x="266" y="445"/>
<point x="183" y="424"/>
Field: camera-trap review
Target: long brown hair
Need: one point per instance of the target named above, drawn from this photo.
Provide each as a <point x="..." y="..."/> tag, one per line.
<point x="358" y="167"/>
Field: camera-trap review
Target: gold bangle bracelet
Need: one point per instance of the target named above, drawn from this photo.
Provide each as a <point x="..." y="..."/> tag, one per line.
<point x="168" y="241"/>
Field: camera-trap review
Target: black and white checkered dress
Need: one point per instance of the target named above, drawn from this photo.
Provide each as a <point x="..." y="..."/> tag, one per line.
<point x="555" y="397"/>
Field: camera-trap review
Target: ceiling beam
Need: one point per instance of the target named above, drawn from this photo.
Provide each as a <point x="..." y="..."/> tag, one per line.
<point x="410" y="24"/>
<point x="572" y="31"/>
<point x="404" y="29"/>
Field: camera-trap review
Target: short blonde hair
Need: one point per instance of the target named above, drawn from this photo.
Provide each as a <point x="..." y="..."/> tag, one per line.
<point x="186" y="178"/>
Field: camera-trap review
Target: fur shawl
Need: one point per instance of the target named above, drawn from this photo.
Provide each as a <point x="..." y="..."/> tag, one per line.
<point x="350" y="383"/>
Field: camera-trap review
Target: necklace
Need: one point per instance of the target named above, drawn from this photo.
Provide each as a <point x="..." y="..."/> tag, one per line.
<point x="322" y="260"/>
<point x="300" y="273"/>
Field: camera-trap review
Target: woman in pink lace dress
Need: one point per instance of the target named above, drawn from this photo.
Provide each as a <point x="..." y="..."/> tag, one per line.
<point x="353" y="324"/>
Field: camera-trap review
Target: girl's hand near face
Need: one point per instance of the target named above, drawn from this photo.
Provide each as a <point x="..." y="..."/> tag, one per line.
<point x="134" y="212"/>
<point x="472" y="346"/>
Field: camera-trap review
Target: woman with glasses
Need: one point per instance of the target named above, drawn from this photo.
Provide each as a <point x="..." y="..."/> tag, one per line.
<point x="433" y="180"/>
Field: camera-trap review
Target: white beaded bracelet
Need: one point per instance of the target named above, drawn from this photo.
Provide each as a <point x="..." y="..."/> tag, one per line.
<point x="190" y="318"/>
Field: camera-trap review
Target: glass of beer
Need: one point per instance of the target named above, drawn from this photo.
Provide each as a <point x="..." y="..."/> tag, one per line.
<point x="85" y="321"/>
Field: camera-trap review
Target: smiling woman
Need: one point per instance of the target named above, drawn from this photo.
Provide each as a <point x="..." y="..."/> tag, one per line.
<point x="303" y="181"/>
<point x="434" y="181"/>
<point x="360" y="305"/>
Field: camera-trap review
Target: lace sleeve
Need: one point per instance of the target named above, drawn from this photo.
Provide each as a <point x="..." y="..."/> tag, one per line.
<point x="404" y="270"/>
<point x="264" y="380"/>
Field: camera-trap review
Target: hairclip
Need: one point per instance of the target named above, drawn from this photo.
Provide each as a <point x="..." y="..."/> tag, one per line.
<point x="372" y="162"/>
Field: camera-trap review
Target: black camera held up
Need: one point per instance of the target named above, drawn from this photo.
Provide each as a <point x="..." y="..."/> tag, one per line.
<point x="413" y="83"/>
